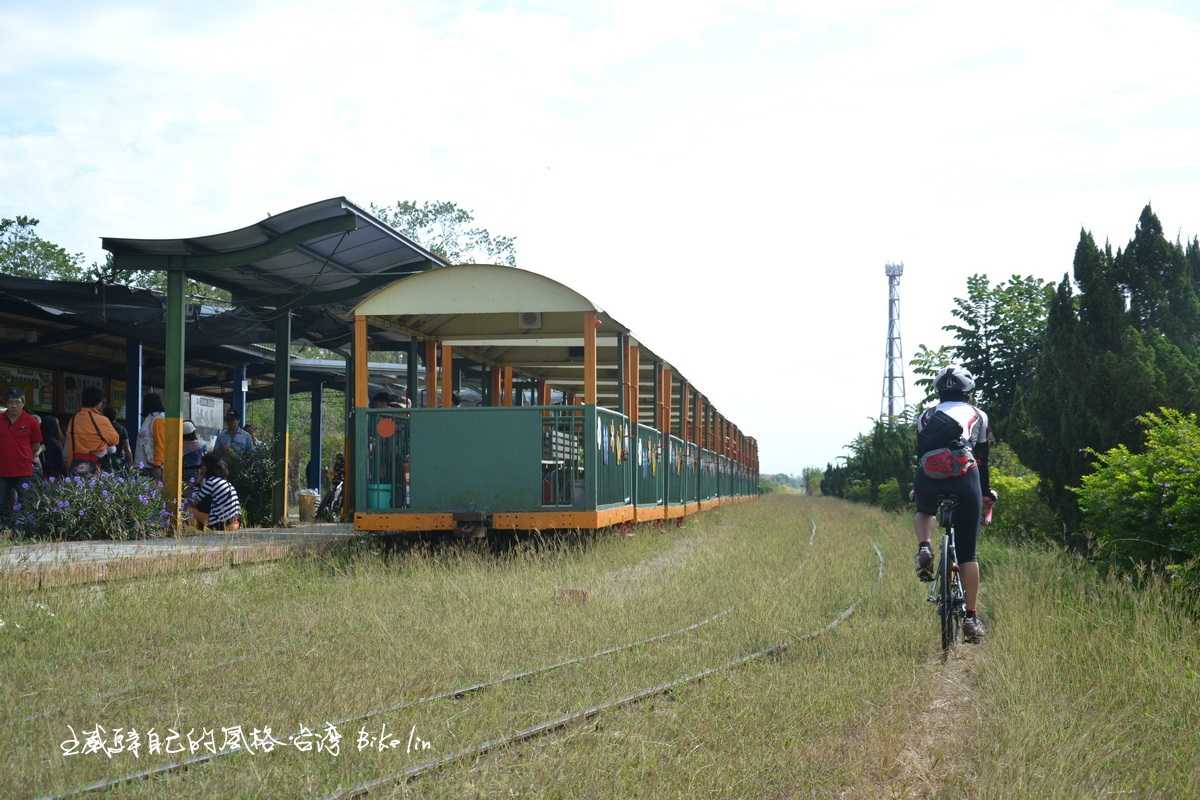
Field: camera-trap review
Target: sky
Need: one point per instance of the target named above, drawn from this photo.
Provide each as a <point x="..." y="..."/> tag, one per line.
<point x="728" y="179"/>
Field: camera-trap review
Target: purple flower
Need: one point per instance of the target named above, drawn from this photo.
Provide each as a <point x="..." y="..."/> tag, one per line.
<point x="81" y="512"/>
<point x="143" y="499"/>
<point x="63" y="504"/>
<point x="106" y="494"/>
<point x="24" y="485"/>
<point x="52" y="479"/>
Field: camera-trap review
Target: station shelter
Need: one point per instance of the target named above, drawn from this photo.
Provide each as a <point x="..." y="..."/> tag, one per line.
<point x="293" y="278"/>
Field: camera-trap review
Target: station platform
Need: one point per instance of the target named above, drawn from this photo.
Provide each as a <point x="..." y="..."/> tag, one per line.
<point x="48" y="564"/>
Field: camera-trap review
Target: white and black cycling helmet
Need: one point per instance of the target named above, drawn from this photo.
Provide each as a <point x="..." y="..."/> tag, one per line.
<point x="954" y="378"/>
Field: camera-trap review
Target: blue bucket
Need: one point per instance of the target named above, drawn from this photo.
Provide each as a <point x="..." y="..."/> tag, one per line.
<point x="379" y="496"/>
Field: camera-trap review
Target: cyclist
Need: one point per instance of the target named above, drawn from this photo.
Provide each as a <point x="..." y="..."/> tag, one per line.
<point x="952" y="454"/>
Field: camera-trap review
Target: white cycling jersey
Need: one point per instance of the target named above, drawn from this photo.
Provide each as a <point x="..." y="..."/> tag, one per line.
<point x="973" y="421"/>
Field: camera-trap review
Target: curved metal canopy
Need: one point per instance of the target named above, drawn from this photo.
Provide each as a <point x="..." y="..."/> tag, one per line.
<point x="328" y="252"/>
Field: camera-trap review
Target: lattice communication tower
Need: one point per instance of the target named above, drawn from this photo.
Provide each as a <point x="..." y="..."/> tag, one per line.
<point x="893" y="358"/>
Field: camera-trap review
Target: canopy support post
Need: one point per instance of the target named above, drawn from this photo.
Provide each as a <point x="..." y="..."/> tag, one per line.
<point x="431" y="376"/>
<point x="237" y="379"/>
<point x="356" y="483"/>
<point x="133" y="389"/>
<point x="314" y="435"/>
<point x="173" y="402"/>
<point x="282" y="392"/>
<point x="413" y="377"/>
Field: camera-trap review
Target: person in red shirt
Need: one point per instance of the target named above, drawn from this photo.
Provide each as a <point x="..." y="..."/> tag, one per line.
<point x="20" y="446"/>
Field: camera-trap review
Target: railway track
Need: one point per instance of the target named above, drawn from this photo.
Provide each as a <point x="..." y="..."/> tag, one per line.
<point x="452" y="694"/>
<point x="566" y="720"/>
<point x="541" y="729"/>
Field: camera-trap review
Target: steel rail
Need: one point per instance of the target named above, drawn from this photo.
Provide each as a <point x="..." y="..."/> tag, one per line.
<point x="197" y="760"/>
<point x="558" y="723"/>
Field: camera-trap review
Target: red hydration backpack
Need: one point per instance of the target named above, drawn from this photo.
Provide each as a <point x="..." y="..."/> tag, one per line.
<point x="944" y="452"/>
<point x="947" y="462"/>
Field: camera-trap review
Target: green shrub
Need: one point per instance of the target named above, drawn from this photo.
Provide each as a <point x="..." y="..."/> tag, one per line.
<point x="859" y="492"/>
<point x="253" y="475"/>
<point x="891" y="497"/>
<point x="125" y="505"/>
<point x="1021" y="515"/>
<point x="1144" y="508"/>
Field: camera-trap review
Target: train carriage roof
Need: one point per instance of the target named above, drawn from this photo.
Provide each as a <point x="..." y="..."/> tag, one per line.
<point x="507" y="315"/>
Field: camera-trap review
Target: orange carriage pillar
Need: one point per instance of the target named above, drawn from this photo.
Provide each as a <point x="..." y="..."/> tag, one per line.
<point x="590" y="323"/>
<point x="447" y="376"/>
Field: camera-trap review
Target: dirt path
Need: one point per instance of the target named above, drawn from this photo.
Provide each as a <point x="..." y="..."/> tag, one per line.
<point x="927" y="756"/>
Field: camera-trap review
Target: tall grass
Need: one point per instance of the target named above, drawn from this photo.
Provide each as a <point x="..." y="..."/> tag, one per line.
<point x="1090" y="688"/>
<point x="325" y="637"/>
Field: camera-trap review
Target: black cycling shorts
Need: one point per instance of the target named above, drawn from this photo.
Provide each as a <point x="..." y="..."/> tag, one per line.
<point x="966" y="515"/>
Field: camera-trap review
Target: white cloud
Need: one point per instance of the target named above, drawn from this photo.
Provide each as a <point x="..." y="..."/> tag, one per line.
<point x="728" y="179"/>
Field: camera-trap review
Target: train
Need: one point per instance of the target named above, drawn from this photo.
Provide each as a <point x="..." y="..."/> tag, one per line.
<point x="630" y="440"/>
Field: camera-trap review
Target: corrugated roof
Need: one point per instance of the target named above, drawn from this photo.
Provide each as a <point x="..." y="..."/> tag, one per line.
<point x="328" y="252"/>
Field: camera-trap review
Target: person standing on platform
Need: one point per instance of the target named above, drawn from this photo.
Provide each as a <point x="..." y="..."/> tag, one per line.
<point x="90" y="436"/>
<point x="152" y="438"/>
<point x="54" y="457"/>
<point x="233" y="437"/>
<point x="194" y="450"/>
<point x="124" y="455"/>
<point x="20" y="445"/>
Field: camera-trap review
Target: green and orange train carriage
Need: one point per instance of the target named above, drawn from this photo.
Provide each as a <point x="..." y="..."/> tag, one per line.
<point x="633" y="441"/>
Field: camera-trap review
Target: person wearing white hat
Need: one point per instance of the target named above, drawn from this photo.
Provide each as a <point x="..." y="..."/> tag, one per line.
<point x="193" y="450"/>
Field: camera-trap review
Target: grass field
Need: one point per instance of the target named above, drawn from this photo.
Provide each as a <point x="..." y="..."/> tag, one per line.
<point x="1086" y="688"/>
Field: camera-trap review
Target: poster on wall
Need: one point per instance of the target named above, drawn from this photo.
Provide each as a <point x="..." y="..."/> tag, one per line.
<point x="73" y="386"/>
<point x="38" y="385"/>
<point x="208" y="413"/>
<point x="117" y="397"/>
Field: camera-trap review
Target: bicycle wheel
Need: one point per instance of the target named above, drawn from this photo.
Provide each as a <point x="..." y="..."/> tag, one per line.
<point x="946" y="609"/>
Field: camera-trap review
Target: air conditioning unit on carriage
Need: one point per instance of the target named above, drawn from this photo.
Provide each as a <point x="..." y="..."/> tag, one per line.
<point x="529" y="320"/>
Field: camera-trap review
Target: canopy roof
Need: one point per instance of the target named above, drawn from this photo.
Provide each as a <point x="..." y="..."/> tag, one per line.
<point x="328" y="252"/>
<point x="83" y="328"/>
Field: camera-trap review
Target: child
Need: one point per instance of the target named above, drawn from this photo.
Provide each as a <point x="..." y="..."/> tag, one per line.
<point x="215" y="504"/>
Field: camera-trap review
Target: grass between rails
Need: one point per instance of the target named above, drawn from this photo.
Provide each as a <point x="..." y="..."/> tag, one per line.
<point x="325" y="638"/>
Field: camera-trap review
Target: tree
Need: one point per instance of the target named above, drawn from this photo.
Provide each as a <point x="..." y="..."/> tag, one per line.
<point x="1156" y="274"/>
<point x="1050" y="426"/>
<point x="975" y="335"/>
<point x="25" y="254"/>
<point x="812" y="480"/>
<point x="1019" y="316"/>
<point x="998" y="337"/>
<point x="927" y="364"/>
<point x="446" y="229"/>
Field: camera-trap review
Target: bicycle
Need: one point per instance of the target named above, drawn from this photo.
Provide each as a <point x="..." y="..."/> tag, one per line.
<point x="946" y="592"/>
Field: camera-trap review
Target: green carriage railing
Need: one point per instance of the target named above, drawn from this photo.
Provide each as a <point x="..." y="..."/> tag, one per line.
<point x="675" y="458"/>
<point x="724" y="479"/>
<point x="648" y="466"/>
<point x="691" y="473"/>
<point x="613" y="478"/>
<point x="708" y="474"/>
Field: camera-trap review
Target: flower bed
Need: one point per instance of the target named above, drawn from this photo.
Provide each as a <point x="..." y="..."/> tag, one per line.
<point x="123" y="505"/>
